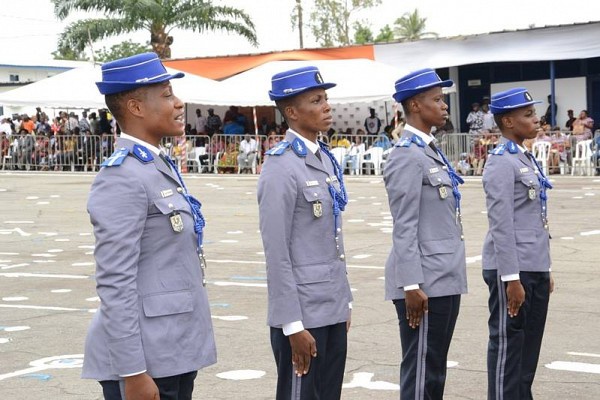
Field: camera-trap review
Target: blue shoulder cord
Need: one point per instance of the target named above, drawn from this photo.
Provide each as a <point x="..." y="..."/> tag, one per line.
<point x="340" y="198"/>
<point x="456" y="180"/>
<point x="544" y="184"/>
<point x="199" y="222"/>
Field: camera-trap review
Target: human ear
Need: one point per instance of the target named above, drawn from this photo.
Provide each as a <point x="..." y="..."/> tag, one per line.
<point x="135" y="107"/>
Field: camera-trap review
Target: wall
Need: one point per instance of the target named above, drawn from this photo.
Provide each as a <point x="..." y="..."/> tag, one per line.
<point x="570" y="93"/>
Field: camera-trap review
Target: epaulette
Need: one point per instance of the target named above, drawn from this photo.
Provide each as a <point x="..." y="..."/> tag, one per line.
<point x="299" y="147"/>
<point x="142" y="153"/>
<point x="279" y="149"/>
<point x="501" y="148"/>
<point x="406" y="142"/>
<point x="116" y="158"/>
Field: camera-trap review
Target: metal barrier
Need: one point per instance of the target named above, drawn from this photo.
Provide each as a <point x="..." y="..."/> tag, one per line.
<point x="468" y="153"/>
<point x="358" y="154"/>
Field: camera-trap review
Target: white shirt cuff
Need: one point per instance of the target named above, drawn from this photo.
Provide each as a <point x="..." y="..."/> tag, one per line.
<point x="509" y="277"/>
<point x="292" y="327"/>
<point x="134" y="374"/>
<point x="411" y="287"/>
<point x="350" y="305"/>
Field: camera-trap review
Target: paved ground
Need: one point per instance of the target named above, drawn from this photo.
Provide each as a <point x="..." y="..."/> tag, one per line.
<point x="47" y="294"/>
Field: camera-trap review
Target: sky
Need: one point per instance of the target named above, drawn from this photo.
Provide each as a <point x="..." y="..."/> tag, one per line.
<point x="30" y="31"/>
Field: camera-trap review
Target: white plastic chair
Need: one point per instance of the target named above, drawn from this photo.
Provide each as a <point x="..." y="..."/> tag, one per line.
<point x="540" y="151"/>
<point x="376" y="156"/>
<point x="583" y="158"/>
<point x="195" y="157"/>
<point x="338" y="154"/>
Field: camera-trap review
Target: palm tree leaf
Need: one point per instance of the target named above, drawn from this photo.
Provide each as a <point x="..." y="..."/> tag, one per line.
<point x="78" y="34"/>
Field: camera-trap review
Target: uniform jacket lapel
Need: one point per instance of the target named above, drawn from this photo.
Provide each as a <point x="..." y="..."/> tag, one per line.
<point x="311" y="160"/>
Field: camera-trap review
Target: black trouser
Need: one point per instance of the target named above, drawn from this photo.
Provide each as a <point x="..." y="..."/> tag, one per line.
<point x="326" y="374"/>
<point x="425" y="349"/>
<point x="178" y="387"/>
<point x="514" y="345"/>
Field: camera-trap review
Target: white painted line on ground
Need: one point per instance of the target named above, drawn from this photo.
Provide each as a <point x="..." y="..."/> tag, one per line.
<point x="31" y="275"/>
<point x="235" y="232"/>
<point x="4" y="340"/>
<point x="575" y="353"/>
<point x="55" y="196"/>
<point x="15" y="298"/>
<point x="85" y="234"/>
<point x="355" y="220"/>
<point x="236" y="262"/>
<point x="31" y="198"/>
<point x="60" y="291"/>
<point x="8" y="254"/>
<point x="14" y="266"/>
<point x="471" y="260"/>
<point x="589" y="194"/>
<point x="44" y="261"/>
<point x="55" y="251"/>
<point x="95" y="298"/>
<point x="363" y="380"/>
<point x="221" y="283"/>
<point x="230" y="317"/>
<point x="42" y="203"/>
<point x="15" y="328"/>
<point x="86" y="246"/>
<point x="82" y="264"/>
<point x="589" y="233"/>
<point x="361" y="256"/>
<point x="241" y="375"/>
<point x="43" y="255"/>
<point x="567" y="238"/>
<point x="577" y="197"/>
<point x="62" y="240"/>
<point x="14" y="230"/>
<point x="48" y="233"/>
<point x="50" y="308"/>
<point x="228" y="241"/>
<point x="376" y="204"/>
<point x="67" y="361"/>
<point x="18" y="222"/>
<point x="574" y="367"/>
<point x="364" y="266"/>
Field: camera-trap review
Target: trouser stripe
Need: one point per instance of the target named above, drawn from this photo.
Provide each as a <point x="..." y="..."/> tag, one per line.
<point x="502" y="339"/>
<point x="421" y="359"/>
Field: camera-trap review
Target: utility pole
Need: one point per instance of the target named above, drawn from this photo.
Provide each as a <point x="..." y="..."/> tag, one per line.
<point x="299" y="7"/>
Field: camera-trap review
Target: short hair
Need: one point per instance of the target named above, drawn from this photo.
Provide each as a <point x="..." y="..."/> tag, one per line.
<point x="116" y="101"/>
<point x="498" y="120"/>
<point x="282" y="104"/>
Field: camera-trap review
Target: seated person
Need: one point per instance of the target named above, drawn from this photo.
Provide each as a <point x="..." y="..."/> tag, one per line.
<point x="247" y="156"/>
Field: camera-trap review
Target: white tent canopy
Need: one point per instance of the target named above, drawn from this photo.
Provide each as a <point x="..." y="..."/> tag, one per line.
<point x="76" y="88"/>
<point x="358" y="80"/>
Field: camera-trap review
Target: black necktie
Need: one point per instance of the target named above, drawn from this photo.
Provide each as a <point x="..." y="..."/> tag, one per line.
<point x="164" y="158"/>
<point x="433" y="147"/>
<point x="318" y="154"/>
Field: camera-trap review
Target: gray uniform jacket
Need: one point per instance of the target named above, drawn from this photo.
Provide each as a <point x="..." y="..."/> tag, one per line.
<point x="154" y="313"/>
<point x="516" y="239"/>
<point x="306" y="278"/>
<point x="426" y="244"/>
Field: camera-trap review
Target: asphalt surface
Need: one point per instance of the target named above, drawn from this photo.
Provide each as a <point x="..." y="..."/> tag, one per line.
<point x="47" y="292"/>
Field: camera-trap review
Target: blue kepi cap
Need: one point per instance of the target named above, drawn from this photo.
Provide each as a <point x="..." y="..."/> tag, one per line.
<point x="417" y="82"/>
<point x="295" y="81"/>
<point x="511" y="99"/>
<point x="133" y="72"/>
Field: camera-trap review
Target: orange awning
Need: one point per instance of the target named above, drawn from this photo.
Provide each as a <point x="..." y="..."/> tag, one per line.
<point x="226" y="66"/>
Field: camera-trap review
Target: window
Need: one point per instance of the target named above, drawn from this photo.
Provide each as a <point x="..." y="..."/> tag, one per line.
<point x="13" y="78"/>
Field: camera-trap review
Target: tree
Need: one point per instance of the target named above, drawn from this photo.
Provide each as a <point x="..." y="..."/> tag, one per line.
<point x="67" y="53"/>
<point x="330" y="20"/>
<point x="159" y="17"/>
<point x="120" y="50"/>
<point x="386" y="34"/>
<point x="410" y="27"/>
<point x="362" y="34"/>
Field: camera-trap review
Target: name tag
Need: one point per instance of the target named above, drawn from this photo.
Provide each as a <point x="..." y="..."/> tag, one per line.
<point x="524" y="170"/>
<point x="434" y="170"/>
<point x="312" y="183"/>
<point x="166" y="193"/>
